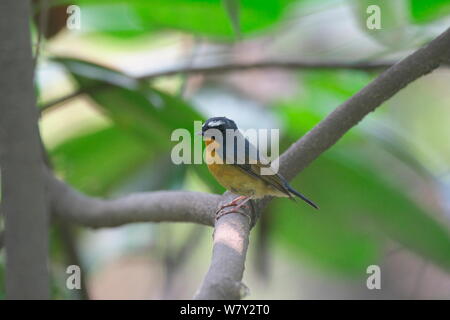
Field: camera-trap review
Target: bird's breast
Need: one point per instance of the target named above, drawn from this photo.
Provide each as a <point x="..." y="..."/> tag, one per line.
<point x="233" y="178"/>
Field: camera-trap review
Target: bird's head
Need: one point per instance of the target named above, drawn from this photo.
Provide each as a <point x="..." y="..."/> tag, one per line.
<point x="218" y="123"/>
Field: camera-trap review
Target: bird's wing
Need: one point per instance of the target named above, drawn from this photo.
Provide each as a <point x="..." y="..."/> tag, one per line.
<point x="251" y="161"/>
<point x="275" y="180"/>
<point x="244" y="152"/>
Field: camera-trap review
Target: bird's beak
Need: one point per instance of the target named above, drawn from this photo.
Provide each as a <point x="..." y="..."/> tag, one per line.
<point x="199" y="133"/>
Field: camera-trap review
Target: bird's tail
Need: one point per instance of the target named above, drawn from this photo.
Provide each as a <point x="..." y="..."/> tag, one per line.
<point x="298" y="194"/>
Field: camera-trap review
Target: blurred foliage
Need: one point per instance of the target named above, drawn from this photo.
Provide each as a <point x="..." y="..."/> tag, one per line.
<point x="98" y="161"/>
<point x="360" y="208"/>
<point x="149" y="115"/>
<point x="398" y="13"/>
<point x="202" y="17"/>
<point x="397" y="19"/>
<point x="426" y="11"/>
<point x="394" y="21"/>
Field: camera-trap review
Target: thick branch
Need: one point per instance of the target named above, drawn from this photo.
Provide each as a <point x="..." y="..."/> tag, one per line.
<point x="231" y="238"/>
<point x="182" y="206"/>
<point x="23" y="190"/>
<point x="232" y="232"/>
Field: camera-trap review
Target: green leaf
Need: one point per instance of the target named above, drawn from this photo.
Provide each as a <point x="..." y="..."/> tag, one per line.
<point x="322" y="92"/>
<point x="96" y="162"/>
<point x="204" y="17"/>
<point x="429" y="10"/>
<point x="148" y="114"/>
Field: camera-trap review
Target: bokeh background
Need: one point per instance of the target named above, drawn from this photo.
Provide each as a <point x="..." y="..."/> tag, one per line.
<point x="384" y="189"/>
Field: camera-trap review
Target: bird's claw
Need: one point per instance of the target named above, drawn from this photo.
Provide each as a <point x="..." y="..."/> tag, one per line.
<point x="235" y="209"/>
<point x="220" y="213"/>
<point x="233" y="202"/>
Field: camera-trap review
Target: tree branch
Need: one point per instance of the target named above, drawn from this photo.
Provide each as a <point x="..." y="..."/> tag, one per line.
<point x="174" y="206"/>
<point x="270" y="64"/>
<point x="223" y="279"/>
<point x="231" y="238"/>
<point x="23" y="187"/>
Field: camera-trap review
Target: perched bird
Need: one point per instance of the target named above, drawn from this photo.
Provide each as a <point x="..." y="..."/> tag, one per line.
<point x="240" y="171"/>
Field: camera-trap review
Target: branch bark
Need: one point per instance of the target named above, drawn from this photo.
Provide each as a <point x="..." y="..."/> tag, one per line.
<point x="23" y="191"/>
<point x="230" y="244"/>
<point x="174" y="206"/>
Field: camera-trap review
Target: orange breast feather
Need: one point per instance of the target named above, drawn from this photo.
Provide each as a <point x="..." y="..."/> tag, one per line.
<point x="230" y="176"/>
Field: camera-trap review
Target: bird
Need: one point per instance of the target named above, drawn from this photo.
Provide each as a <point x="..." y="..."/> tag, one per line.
<point x="239" y="169"/>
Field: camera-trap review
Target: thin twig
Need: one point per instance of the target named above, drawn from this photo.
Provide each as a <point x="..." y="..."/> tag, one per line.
<point x="289" y="65"/>
<point x="230" y="67"/>
<point x="78" y="92"/>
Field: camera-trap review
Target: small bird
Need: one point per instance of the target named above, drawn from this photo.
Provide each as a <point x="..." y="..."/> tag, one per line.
<point x="240" y="171"/>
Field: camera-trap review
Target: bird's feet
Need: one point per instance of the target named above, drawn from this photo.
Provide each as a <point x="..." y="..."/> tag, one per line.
<point x="220" y="212"/>
<point x="233" y="202"/>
